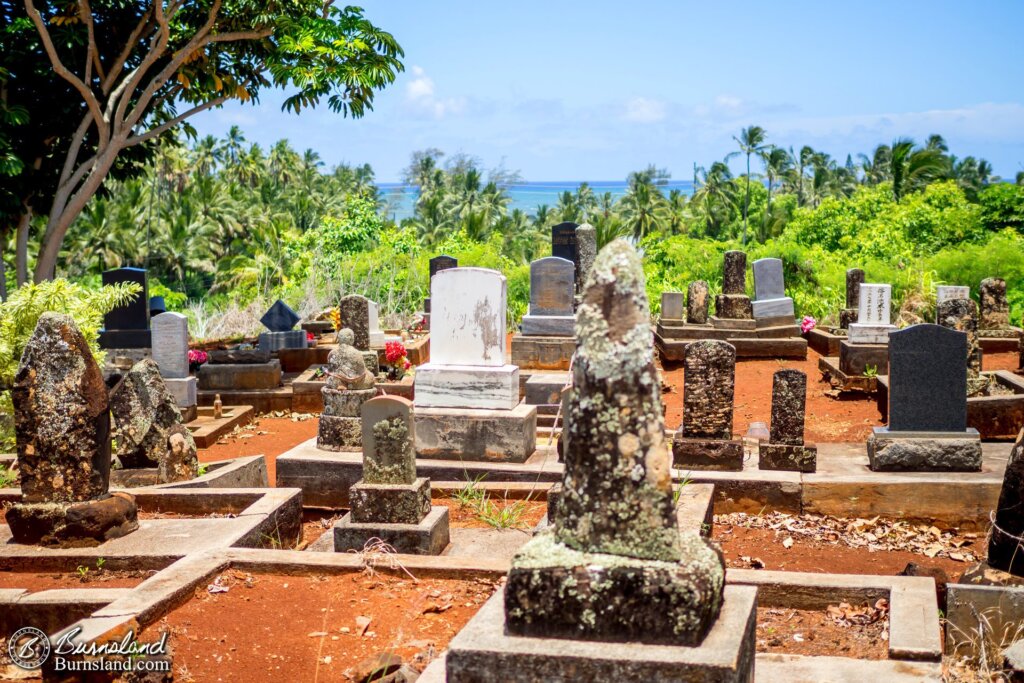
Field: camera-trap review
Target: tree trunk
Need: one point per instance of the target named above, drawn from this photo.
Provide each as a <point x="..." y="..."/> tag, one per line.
<point x="746" y="201"/>
<point x="21" y="246"/>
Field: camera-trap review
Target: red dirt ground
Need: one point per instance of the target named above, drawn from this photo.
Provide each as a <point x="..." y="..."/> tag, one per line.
<point x="828" y="419"/>
<point x="303" y="628"/>
<point x="34" y="582"/>
<point x="806" y="555"/>
<point x="282" y="434"/>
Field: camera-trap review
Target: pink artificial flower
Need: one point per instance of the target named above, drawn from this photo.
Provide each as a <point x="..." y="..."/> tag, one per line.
<point x="808" y="324"/>
<point x="309" y="336"/>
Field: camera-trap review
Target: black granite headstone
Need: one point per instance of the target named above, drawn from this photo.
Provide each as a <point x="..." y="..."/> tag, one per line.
<point x="442" y="262"/>
<point x="135" y="314"/>
<point x="927" y="379"/>
<point x="563" y="243"/>
<point x="280" y="317"/>
<point x="157" y="305"/>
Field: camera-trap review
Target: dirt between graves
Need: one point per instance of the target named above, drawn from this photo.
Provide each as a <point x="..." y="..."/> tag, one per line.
<point x="268" y="435"/>
<point x="828" y="420"/>
<point x="305" y="628"/>
<point x="88" y="577"/>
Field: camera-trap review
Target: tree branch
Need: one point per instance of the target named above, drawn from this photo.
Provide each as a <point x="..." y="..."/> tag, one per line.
<point x="158" y="43"/>
<point x="63" y="72"/>
<point x="241" y="35"/>
<point x="92" y="55"/>
<point x="115" y="69"/>
<point x="175" y="121"/>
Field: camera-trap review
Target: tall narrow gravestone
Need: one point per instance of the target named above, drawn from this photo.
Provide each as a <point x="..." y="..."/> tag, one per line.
<point x="733" y="303"/>
<point x="170" y="352"/>
<point x="704" y="441"/>
<point x="436" y="265"/>
<point x="360" y="315"/>
<point x="672" y="306"/>
<point x="927" y="404"/>
<point x="995" y="310"/>
<point x="563" y="243"/>
<point x="62" y="425"/>
<point x="698" y="299"/>
<point x="552" y="289"/>
<point x="786" y="449"/>
<point x="390" y="502"/>
<point x="962" y="315"/>
<point x="854" y="279"/>
<point x="613" y="567"/>
<point x="586" y="250"/>
<point x="770" y="300"/>
<point x="948" y="292"/>
<point x="127" y="326"/>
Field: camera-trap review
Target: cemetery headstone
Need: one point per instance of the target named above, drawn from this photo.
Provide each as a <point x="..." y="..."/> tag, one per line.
<point x="995" y="310"/>
<point x="1004" y="546"/>
<point x="586" y="248"/>
<point x="552" y="290"/>
<point x="786" y="449"/>
<point x="704" y="441"/>
<point x="280" y="319"/>
<point x="349" y="385"/>
<point x="854" y="279"/>
<point x="770" y="300"/>
<point x="962" y="315"/>
<point x="359" y="314"/>
<point x="734" y="273"/>
<point x="927" y="404"/>
<point x="617" y="494"/>
<point x="62" y="427"/>
<point x="148" y="427"/>
<point x="563" y="242"/>
<point x="873" y="324"/>
<point x="157" y="305"/>
<point x="170" y="344"/>
<point x="437" y="264"/>
<point x="390" y="502"/>
<point x="127" y="326"/>
<point x="947" y="292"/>
<point x="698" y="300"/>
<point x="672" y="306"/>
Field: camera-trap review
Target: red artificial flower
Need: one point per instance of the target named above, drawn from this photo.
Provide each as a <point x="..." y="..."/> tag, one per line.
<point x="309" y="336"/>
<point x="394" y="351"/>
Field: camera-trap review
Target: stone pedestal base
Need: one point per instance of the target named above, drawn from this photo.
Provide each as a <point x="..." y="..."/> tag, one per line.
<point x="869" y="333"/>
<point x="126" y="339"/>
<point x="183" y="390"/>
<point x="429" y="537"/>
<point x="240" y="376"/>
<point x="773" y="456"/>
<point x="545" y="389"/>
<point x="74" y="525"/>
<point x="855" y="359"/>
<point x="390" y="503"/>
<point x="772" y="308"/>
<point x="479" y="435"/>
<point x="238" y="356"/>
<point x="483" y="652"/>
<point x="924" y="451"/>
<point x="543" y="353"/>
<point x="707" y="454"/>
<point x="467" y="386"/>
<point x="339" y="433"/>
<point x="735" y="306"/>
<point x="275" y="341"/>
<point x="345" y="403"/>
<point x="549" y="325"/>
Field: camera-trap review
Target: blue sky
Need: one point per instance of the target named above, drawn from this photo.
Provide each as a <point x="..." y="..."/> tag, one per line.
<point x="593" y="90"/>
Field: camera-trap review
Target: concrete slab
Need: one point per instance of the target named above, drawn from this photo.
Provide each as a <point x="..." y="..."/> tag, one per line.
<point x="206" y="428"/>
<point x="998" y="611"/>
<point x="797" y="669"/>
<point x="495" y="544"/>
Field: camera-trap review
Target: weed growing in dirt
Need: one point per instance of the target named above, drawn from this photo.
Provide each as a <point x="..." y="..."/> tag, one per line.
<point x="8" y="477"/>
<point x="508" y="516"/>
<point x="471" y="495"/>
<point x="376" y="553"/>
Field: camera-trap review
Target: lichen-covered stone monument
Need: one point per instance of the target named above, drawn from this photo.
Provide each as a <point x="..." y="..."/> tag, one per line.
<point x="62" y="427"/>
<point x="349" y="385"/>
<point x="613" y="567"/>
<point x="786" y="449"/>
<point x="705" y="440"/>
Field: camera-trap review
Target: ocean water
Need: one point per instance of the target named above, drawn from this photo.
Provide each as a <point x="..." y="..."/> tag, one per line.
<point x="401" y="199"/>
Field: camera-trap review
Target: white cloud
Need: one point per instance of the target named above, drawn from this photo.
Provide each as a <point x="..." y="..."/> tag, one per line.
<point x="419" y="95"/>
<point x="645" y="110"/>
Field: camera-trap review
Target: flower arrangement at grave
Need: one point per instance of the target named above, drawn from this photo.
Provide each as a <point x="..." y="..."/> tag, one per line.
<point x="397" y="361"/>
<point x="196" y="357"/>
<point x="335" y="316"/>
<point x="808" y="324"/>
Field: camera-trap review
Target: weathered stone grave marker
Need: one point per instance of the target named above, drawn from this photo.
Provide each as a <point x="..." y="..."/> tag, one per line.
<point x="786" y="449"/>
<point x="349" y="385"/>
<point x="170" y="351"/>
<point x="770" y="300"/>
<point x="704" y="440"/>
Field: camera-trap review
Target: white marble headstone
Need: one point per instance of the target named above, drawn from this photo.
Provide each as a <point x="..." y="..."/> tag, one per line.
<point x="373" y="324"/>
<point x="947" y="292"/>
<point x="875" y="302"/>
<point x="467" y="318"/>
<point x="170" y="344"/>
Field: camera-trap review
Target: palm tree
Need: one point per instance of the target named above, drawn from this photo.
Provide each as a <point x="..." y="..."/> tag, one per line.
<point x="714" y="200"/>
<point x="642" y="210"/>
<point x="777" y="162"/>
<point x="913" y="168"/>
<point x="751" y="141"/>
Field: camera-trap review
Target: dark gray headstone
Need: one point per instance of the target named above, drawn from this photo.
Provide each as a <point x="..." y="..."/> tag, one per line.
<point x="768" y="279"/>
<point x="442" y="262"/>
<point x="135" y="314"/>
<point x="552" y="286"/>
<point x="563" y="242"/>
<point x="280" y="317"/>
<point x="355" y="315"/>
<point x="734" y="272"/>
<point x="789" y="401"/>
<point x="927" y="379"/>
<point x="854" y="279"/>
<point x="709" y="380"/>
